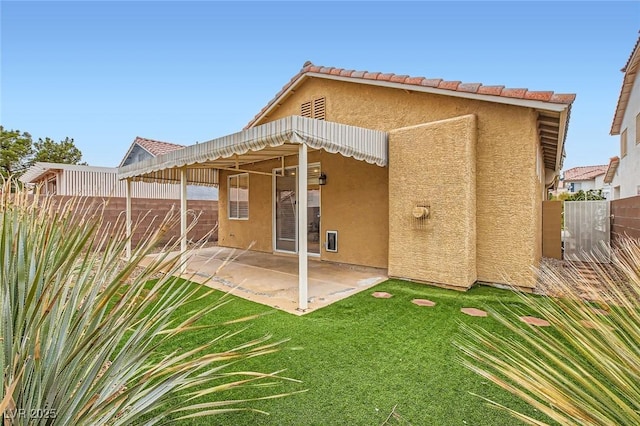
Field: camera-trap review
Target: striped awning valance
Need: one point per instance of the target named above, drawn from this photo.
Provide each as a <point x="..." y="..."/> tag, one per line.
<point x="270" y="140"/>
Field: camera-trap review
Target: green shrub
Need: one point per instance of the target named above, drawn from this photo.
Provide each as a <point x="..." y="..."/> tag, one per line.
<point x="80" y="327"/>
<point x="585" y="368"/>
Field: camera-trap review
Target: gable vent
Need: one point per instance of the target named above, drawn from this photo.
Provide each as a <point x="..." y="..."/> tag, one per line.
<point x="319" y="108"/>
<point x="314" y="109"/>
<point x="306" y="109"/>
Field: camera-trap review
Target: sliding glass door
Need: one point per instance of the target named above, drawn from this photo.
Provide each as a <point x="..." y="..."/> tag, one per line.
<point x="286" y="220"/>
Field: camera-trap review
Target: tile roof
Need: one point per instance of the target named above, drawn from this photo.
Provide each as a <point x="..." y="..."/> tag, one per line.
<point x="436" y="83"/>
<point x="156" y="148"/>
<point x="584" y="172"/>
<point x="630" y="71"/>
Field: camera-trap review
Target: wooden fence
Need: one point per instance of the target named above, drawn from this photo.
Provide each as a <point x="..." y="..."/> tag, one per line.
<point x="552" y="229"/>
<point x="625" y="218"/>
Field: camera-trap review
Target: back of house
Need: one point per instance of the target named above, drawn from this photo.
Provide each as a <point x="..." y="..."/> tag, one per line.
<point x="459" y="202"/>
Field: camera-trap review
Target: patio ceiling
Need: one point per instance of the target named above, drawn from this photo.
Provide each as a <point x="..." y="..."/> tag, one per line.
<point x="276" y="139"/>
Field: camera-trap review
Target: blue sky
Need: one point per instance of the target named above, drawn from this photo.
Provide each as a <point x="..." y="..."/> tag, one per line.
<point x="106" y="72"/>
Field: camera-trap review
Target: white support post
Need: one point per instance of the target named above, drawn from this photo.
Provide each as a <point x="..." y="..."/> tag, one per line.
<point x="128" y="219"/>
<point x="183" y="220"/>
<point x="302" y="228"/>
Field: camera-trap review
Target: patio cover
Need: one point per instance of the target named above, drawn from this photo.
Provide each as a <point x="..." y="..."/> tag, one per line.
<point x="271" y="140"/>
<point x="199" y="164"/>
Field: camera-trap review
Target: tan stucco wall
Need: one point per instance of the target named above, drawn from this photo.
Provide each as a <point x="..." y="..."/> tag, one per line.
<point x="256" y="231"/>
<point x="442" y="248"/>
<point x="509" y="200"/>
<point x="354" y="202"/>
<point x="509" y="208"/>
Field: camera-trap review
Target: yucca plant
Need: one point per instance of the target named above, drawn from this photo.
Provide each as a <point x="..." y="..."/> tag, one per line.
<point x="584" y="369"/>
<point x="80" y="327"/>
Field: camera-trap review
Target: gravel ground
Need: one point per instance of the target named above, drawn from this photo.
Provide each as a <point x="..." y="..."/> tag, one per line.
<point x="586" y="279"/>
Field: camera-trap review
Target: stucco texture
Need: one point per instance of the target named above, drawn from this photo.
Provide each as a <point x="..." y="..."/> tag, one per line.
<point x="508" y="188"/>
<point x="354" y="202"/>
<point x="442" y="247"/>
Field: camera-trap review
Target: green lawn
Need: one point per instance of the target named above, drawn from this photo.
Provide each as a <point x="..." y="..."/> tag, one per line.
<point x="362" y="356"/>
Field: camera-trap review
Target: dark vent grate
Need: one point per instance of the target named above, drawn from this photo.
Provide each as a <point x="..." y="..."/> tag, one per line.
<point x="319" y="108"/>
<point x="314" y="109"/>
<point x="305" y="110"/>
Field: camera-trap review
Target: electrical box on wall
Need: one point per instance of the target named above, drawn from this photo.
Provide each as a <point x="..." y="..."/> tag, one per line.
<point x="331" y="243"/>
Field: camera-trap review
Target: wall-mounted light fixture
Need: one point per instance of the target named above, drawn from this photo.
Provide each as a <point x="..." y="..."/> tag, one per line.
<point x="322" y="180"/>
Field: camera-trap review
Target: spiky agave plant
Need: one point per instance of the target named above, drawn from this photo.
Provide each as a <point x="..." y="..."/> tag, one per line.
<point x="80" y="328"/>
<point x="585" y="368"/>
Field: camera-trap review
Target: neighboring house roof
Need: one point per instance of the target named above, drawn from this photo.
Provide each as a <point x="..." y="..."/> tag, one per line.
<point x="584" y="172"/>
<point x="553" y="108"/>
<point x="39" y="169"/>
<point x="153" y="147"/>
<point x="157" y="147"/>
<point x="611" y="169"/>
<point x="630" y="71"/>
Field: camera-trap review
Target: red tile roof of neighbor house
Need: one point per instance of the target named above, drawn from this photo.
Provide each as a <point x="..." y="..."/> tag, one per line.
<point x="156" y="148"/>
<point x="153" y="147"/>
<point x="584" y="172"/>
<point x="630" y="71"/>
<point x="436" y="83"/>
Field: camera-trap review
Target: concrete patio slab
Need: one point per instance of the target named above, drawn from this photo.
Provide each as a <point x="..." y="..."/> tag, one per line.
<point x="272" y="279"/>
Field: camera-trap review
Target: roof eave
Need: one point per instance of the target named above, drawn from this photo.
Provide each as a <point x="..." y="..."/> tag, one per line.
<point x="297" y="80"/>
<point x="630" y="71"/>
<point x="614" y="162"/>
<point x="34" y="173"/>
<point x="301" y="77"/>
<point x="556" y="107"/>
<point x="39" y="169"/>
<point x="562" y="137"/>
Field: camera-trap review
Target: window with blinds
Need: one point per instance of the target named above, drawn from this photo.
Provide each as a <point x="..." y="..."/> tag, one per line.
<point x="239" y="196"/>
<point x="315" y="108"/>
<point x="623" y="143"/>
